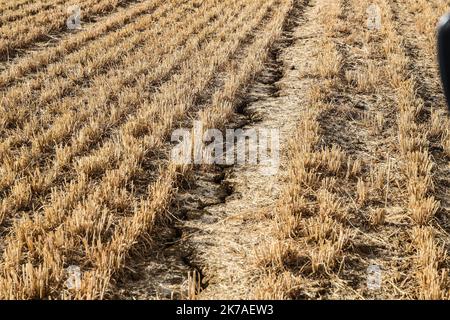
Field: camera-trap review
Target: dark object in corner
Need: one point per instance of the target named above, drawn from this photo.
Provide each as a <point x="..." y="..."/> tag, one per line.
<point x="444" y="54"/>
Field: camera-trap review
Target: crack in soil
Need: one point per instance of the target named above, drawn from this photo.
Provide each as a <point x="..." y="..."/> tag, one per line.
<point x="216" y="225"/>
<point x="223" y="249"/>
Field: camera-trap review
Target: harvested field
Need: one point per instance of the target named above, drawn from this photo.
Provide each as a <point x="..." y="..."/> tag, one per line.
<point x="88" y="179"/>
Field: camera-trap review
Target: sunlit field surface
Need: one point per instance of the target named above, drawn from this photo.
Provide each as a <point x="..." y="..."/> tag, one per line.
<point x="92" y="206"/>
